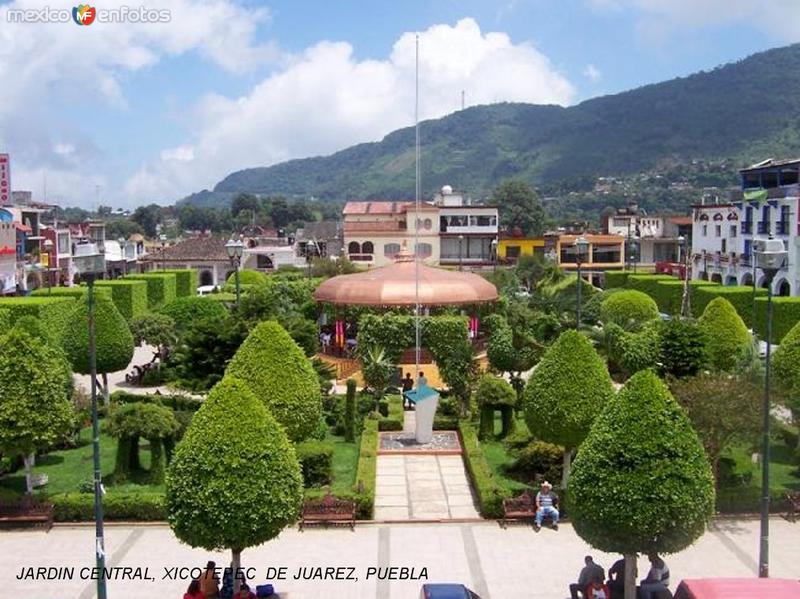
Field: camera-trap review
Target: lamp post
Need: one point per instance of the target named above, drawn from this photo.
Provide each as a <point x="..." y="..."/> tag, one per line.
<point x="683" y="252"/>
<point x="581" y="245"/>
<point x="48" y="248"/>
<point x="91" y="263"/>
<point x="460" y="255"/>
<point x="494" y="254"/>
<point x="770" y="257"/>
<point x="122" y="248"/>
<point x="235" y="248"/>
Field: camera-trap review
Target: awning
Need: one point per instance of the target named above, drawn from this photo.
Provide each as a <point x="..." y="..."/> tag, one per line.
<point x="21" y="227"/>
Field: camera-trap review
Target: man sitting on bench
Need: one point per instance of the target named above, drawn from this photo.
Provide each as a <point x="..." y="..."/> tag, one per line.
<point x="546" y="506"/>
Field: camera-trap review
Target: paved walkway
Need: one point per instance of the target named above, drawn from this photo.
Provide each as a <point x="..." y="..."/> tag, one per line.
<point x="497" y="564"/>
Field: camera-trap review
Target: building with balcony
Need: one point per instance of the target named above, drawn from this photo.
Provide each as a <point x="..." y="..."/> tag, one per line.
<point x="656" y="236"/>
<point x="374" y="232"/>
<point x="605" y="252"/>
<point x="766" y="204"/>
<point x="467" y="232"/>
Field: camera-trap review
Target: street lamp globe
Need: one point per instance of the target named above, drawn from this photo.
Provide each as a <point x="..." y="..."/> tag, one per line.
<point x="770" y="255"/>
<point x="48" y="244"/>
<point x="581" y="248"/>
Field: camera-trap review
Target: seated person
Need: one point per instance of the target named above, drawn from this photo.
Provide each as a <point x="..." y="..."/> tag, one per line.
<point x="616" y="579"/>
<point x="546" y="502"/>
<point x="657" y="580"/>
<point x="598" y="590"/>
<point x="209" y="581"/>
<point x="588" y="573"/>
<point x="194" y="592"/>
<point x="244" y="592"/>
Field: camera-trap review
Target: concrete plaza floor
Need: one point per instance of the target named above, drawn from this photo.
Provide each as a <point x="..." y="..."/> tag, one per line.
<point x="496" y="563"/>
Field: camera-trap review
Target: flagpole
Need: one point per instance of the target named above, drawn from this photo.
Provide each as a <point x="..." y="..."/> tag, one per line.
<point x="417" y="202"/>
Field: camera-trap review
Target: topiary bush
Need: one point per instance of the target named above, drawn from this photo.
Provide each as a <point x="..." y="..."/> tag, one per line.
<point x="727" y="340"/>
<point x="785" y="315"/>
<point x="494" y="393"/>
<point x="130" y="296"/>
<point x="186" y="280"/>
<point x="634" y="351"/>
<point x="669" y="294"/>
<point x="73" y="292"/>
<point x="682" y="348"/>
<point x="629" y="309"/>
<point x="187" y="310"/>
<point x="113" y="338"/>
<point x="785" y="363"/>
<point x="247" y="277"/>
<point x="53" y="312"/>
<point x="160" y="288"/>
<point x="316" y="462"/>
<point x="350" y="412"/>
<point x="616" y="278"/>
<point x="646" y="283"/>
<point x="565" y="393"/>
<point x="234" y="481"/>
<point x="739" y="296"/>
<point x="275" y="369"/>
<point x="641" y="482"/>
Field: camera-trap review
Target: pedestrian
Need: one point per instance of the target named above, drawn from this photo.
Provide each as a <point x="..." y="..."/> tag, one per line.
<point x="408" y="385"/>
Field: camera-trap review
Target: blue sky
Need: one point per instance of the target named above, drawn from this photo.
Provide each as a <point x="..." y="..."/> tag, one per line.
<point x="153" y="112"/>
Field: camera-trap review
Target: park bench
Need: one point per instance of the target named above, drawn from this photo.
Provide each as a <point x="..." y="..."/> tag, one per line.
<point x="793" y="501"/>
<point x="26" y="512"/>
<point x="328" y="510"/>
<point x="522" y="507"/>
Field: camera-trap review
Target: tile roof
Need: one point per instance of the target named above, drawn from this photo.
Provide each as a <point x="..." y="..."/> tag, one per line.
<point x="195" y="249"/>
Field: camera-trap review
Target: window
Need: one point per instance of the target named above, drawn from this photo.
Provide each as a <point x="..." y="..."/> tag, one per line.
<point x="424" y="250"/>
<point x="390" y="250"/>
<point x="427" y="224"/>
<point x="512" y="251"/>
<point x="367" y="248"/>
<point x="483" y="220"/>
<point x="353" y="248"/>
<point x="705" y="230"/>
<point x="733" y="230"/>
<point x="718" y="230"/>
<point x="63" y="243"/>
<point x="724" y="246"/>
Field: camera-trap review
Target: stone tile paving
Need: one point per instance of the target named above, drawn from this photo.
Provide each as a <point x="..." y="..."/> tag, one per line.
<point x="405" y="441"/>
<point x="498" y="564"/>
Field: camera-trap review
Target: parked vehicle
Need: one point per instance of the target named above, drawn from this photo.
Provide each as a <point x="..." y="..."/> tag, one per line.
<point x="446" y="591"/>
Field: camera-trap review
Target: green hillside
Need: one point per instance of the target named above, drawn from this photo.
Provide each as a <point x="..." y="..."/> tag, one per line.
<point x="742" y="112"/>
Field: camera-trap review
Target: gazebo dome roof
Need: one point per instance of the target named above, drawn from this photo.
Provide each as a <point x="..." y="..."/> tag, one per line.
<point x="395" y="285"/>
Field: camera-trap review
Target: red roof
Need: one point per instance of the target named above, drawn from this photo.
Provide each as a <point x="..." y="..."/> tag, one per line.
<point x="384" y="207"/>
<point x="738" y="588"/>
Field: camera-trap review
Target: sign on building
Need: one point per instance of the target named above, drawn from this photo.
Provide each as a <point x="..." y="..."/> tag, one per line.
<point x="5" y="179"/>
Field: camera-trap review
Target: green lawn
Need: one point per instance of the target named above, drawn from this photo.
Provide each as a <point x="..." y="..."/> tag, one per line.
<point x="345" y="462"/>
<point x="783" y="470"/>
<point x="499" y="460"/>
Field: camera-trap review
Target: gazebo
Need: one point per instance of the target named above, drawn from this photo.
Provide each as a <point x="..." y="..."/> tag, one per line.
<point x="397" y="286"/>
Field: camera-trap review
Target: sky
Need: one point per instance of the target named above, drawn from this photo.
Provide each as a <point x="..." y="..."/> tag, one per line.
<point x="125" y="114"/>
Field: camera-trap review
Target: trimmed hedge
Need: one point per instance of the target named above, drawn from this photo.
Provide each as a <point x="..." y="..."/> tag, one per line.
<point x="616" y="278"/>
<point x="367" y="469"/>
<point x="76" y="292"/>
<point x="129" y="296"/>
<point x="160" y="288"/>
<point x="669" y="294"/>
<point x="187" y="280"/>
<point x="247" y="277"/>
<point x="489" y="492"/>
<point x="740" y="297"/>
<point x="628" y="309"/>
<point x="180" y="403"/>
<point x="52" y="312"/>
<point x="79" y="507"/>
<point x="727" y="338"/>
<point x="647" y="283"/>
<point x="187" y="310"/>
<point x="316" y="462"/>
<point x="785" y="314"/>
<point x="277" y="371"/>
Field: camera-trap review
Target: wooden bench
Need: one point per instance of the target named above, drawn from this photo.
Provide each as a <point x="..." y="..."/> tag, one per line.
<point x="26" y="512"/>
<point x="328" y="510"/>
<point x="518" y="508"/>
<point x="793" y="501"/>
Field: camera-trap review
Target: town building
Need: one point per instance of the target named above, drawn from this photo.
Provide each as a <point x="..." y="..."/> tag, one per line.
<point x="206" y="254"/>
<point x="604" y="252"/>
<point x="650" y="239"/>
<point x="765" y="205"/>
<point x="8" y="258"/>
<point x="467" y="231"/>
<point x="319" y="239"/>
<point x="510" y="247"/>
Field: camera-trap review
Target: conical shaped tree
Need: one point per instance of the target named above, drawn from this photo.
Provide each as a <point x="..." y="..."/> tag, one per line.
<point x="113" y="338"/>
<point x="234" y="480"/>
<point x="786" y="366"/>
<point x="641" y="482"/>
<point x="35" y="411"/>
<point x="565" y="394"/>
<point x="280" y="375"/>
<point x="727" y="338"/>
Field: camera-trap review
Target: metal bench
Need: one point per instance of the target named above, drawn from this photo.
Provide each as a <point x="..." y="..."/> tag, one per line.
<point x="328" y="510"/>
<point x="27" y="512"/>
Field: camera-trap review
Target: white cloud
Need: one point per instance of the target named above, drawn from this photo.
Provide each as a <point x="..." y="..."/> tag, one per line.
<point x="658" y="19"/>
<point x="181" y="154"/>
<point x="326" y="99"/>
<point x="48" y="71"/>
<point x="592" y="73"/>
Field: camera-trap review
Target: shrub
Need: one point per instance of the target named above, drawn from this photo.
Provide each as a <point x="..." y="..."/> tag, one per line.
<point x="727" y="340"/>
<point x="785" y="314"/>
<point x="367" y="468"/>
<point x="179" y="403"/>
<point x="634" y="351"/>
<point x="566" y="392"/>
<point x="186" y="280"/>
<point x="785" y="366"/>
<point x="73" y="292"/>
<point x="234" y="481"/>
<point x="129" y="296"/>
<point x="247" y="277"/>
<point x="5" y="319"/>
<point x="740" y="297"/>
<point x="669" y="294"/>
<point x="79" y="507"/>
<point x="275" y="369"/>
<point x="647" y="283"/>
<point x="539" y="461"/>
<point x="616" y="278"/>
<point x="629" y="309"/>
<point x="590" y="312"/>
<point x="350" y="412"/>
<point x="489" y="493"/>
<point x="113" y="338"/>
<point x="682" y="348"/>
<point x="187" y="310"/>
<point x="160" y="288"/>
<point x="494" y="393"/>
<point x="316" y="462"/>
<point x="53" y="312"/>
<point x="640" y="471"/>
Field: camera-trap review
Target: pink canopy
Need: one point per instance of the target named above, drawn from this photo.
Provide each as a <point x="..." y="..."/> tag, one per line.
<point x="394" y="285"/>
<point x="738" y="588"/>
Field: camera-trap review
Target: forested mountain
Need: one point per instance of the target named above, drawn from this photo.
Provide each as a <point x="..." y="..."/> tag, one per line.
<point x="733" y="114"/>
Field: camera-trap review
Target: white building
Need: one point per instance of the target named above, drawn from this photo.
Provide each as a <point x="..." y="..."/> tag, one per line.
<point x="765" y="206"/>
<point x="467" y="232"/>
<point x="657" y="236"/>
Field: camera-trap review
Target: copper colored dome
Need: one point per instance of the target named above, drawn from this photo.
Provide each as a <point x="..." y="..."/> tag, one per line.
<point x="394" y="285"/>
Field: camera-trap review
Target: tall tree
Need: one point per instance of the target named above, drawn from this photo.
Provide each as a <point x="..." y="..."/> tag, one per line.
<point x="234" y="481"/>
<point x="519" y="207"/>
<point x="147" y="217"/>
<point x="35" y="411"/>
<point x="565" y="394"/>
<point x="727" y="339"/>
<point x="641" y="481"/>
